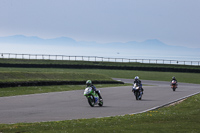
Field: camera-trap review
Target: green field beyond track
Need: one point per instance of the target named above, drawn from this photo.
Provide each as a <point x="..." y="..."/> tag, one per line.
<point x="9" y="74"/>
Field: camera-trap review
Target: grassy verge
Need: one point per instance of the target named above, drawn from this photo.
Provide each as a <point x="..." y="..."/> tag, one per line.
<point x="183" y="117"/>
<point x="129" y="74"/>
<point x="25" y="74"/>
<point x="14" y="76"/>
<point x="13" y="91"/>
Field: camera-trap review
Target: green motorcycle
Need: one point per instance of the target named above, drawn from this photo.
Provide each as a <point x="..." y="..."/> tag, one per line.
<point x="92" y="96"/>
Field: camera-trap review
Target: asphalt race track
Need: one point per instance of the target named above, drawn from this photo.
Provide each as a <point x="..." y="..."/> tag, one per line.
<point x="73" y="105"/>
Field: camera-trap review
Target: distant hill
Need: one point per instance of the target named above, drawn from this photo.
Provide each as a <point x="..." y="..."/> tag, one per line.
<point x="147" y="47"/>
<point x="21" y="39"/>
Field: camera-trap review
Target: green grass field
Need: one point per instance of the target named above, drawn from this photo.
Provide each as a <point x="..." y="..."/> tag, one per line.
<point x="130" y="74"/>
<point x="183" y="117"/>
<point x="14" y="76"/>
<point x="44" y="74"/>
<point x="25" y="90"/>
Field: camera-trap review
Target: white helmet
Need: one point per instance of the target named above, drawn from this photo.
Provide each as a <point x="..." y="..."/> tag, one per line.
<point x="136" y="77"/>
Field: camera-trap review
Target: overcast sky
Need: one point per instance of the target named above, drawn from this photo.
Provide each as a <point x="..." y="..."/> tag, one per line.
<point x="174" y="22"/>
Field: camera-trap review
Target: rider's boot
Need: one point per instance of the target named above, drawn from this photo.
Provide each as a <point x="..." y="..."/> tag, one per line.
<point x="142" y="91"/>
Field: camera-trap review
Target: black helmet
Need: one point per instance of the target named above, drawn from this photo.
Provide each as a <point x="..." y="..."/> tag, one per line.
<point x="173" y="78"/>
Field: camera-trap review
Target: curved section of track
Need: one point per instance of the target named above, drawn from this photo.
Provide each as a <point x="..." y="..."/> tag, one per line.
<point x="73" y="105"/>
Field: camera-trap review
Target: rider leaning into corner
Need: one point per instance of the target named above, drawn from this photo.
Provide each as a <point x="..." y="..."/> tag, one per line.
<point x="137" y="81"/>
<point x="89" y="84"/>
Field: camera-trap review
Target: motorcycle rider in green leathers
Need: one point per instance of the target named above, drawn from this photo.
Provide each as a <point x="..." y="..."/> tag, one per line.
<point x="89" y="84"/>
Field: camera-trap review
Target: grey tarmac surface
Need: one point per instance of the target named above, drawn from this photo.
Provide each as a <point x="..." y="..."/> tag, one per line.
<point x="73" y="105"/>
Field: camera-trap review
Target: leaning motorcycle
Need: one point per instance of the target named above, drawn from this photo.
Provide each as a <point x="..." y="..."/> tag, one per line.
<point x="137" y="91"/>
<point x="92" y="97"/>
<point x="173" y="85"/>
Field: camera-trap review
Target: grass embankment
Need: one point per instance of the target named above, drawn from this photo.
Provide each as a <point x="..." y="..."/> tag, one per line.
<point x="16" y="76"/>
<point x="183" y="117"/>
<point x="29" y="76"/>
<point x="129" y="74"/>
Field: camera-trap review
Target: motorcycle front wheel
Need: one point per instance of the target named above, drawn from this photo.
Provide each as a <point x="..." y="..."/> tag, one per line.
<point x="137" y="95"/>
<point x="91" y="101"/>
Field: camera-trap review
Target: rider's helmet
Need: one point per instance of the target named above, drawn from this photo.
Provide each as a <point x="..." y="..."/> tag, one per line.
<point x="88" y="82"/>
<point x="136" y="78"/>
<point x="173" y="78"/>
